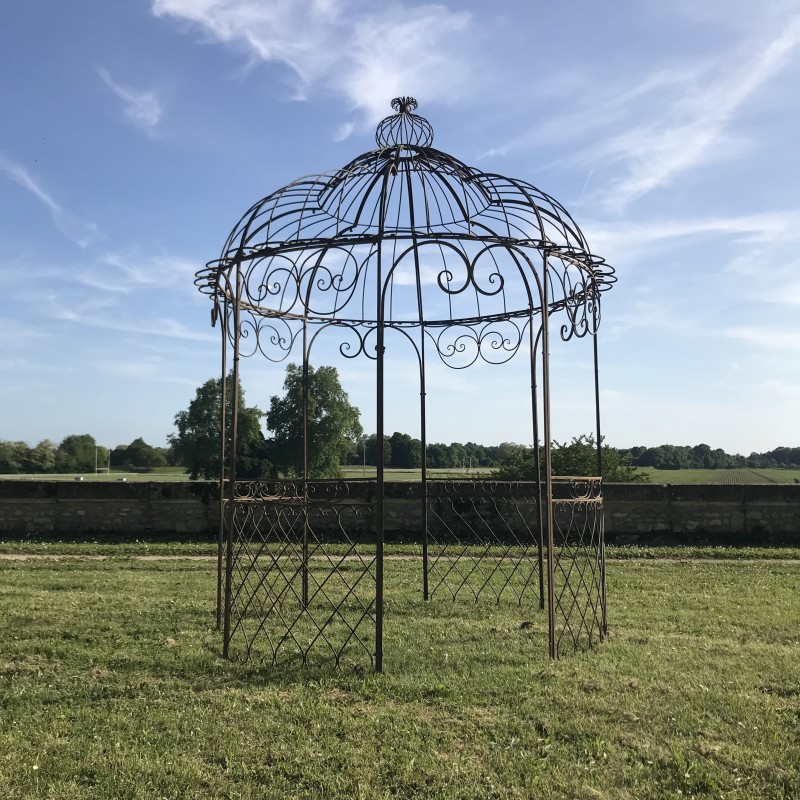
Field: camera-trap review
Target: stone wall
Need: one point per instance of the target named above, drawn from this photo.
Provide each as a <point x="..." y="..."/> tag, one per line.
<point x="55" y="508"/>
<point x="634" y="513"/>
<point x="732" y="514"/>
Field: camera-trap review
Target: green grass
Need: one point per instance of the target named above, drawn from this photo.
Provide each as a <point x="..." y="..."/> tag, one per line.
<point x="674" y="476"/>
<point x="160" y="474"/>
<point x="112" y="686"/>
<point x="722" y="476"/>
<point x="389" y="474"/>
<point x="125" y="546"/>
<point x="179" y="474"/>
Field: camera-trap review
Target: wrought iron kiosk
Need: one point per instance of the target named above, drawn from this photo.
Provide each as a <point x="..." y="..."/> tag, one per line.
<point x="404" y="242"/>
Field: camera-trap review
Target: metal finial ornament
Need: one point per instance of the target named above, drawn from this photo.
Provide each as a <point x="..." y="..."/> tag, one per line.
<point x="404" y="105"/>
<point x="404" y="128"/>
<point x="405" y="251"/>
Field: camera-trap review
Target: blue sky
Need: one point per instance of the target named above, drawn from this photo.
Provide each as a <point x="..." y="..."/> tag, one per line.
<point x="135" y="134"/>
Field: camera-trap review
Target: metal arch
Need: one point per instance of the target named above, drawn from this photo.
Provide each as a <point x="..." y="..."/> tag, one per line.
<point x="461" y="263"/>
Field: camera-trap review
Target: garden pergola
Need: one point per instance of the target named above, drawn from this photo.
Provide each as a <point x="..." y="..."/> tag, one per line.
<point x="405" y="245"/>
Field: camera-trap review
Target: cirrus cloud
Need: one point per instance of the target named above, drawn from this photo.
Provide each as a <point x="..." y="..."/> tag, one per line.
<point x="364" y="52"/>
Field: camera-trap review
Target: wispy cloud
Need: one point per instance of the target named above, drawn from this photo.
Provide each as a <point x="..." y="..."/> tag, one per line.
<point x="142" y="108"/>
<point x="367" y="56"/>
<point x="82" y="232"/>
<point x="653" y="315"/>
<point x="613" y="239"/>
<point x="782" y="294"/>
<point x="14" y="363"/>
<point x="771" y="273"/>
<point x="595" y="111"/>
<point x="692" y="126"/>
<point x="767" y="338"/>
<point x="163" y="326"/>
<point x="152" y="369"/>
<point x="646" y="132"/>
<point x="126" y="272"/>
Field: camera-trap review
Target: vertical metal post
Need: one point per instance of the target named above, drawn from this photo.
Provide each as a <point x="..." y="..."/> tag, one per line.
<point x="602" y="543"/>
<point x="551" y="602"/>
<point x="223" y="318"/>
<point x="424" y="476"/>
<point x="422" y="410"/>
<point x="597" y="404"/>
<point x="232" y="477"/>
<point x="304" y="564"/>
<point x="379" y="385"/>
<point x="537" y="466"/>
<point x="379" y="500"/>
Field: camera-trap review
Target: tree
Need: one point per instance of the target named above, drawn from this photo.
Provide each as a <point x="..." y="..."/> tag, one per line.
<point x="14" y="457"/>
<point x="197" y="442"/>
<point x="138" y="454"/>
<point x="79" y="453"/>
<point x="438" y="455"/>
<point x="371" y="454"/>
<point x="406" y="452"/>
<point x="701" y="454"/>
<point x="509" y="452"/>
<point x="333" y="423"/>
<point x="43" y="457"/>
<point x="578" y="457"/>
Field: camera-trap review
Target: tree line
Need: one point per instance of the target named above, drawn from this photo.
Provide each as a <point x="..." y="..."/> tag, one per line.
<point x="701" y="456"/>
<point x="335" y="438"/>
<point x="402" y="451"/>
<point x="79" y="453"/>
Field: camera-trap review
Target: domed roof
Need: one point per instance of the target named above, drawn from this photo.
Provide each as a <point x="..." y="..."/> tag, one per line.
<point x="445" y="242"/>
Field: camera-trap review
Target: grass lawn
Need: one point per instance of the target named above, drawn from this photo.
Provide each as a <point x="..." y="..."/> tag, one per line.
<point x="179" y="474"/>
<point x="112" y="686"/>
<point x="159" y="474"/>
<point x="390" y="474"/>
<point x="673" y="476"/>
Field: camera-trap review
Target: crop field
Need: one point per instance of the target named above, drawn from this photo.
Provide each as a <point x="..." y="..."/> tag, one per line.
<point x="112" y="686"/>
<point x="723" y="476"/>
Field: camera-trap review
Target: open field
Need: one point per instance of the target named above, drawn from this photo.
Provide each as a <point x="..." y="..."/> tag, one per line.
<point x="112" y="687"/>
<point x="415" y="474"/>
<point x="722" y="476"/>
<point x="161" y="474"/>
<point x="674" y="476"/>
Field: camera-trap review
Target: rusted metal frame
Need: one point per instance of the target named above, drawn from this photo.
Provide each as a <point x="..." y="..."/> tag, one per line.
<point x="379" y="425"/>
<point x="422" y="404"/>
<point x="602" y="542"/>
<point x="304" y="556"/>
<point x="587" y="613"/>
<point x="592" y="509"/>
<point x="548" y="466"/>
<point x="424" y="475"/>
<point x="232" y="478"/>
<point x="451" y="563"/>
<point x="309" y="222"/>
<point x="223" y="319"/>
<point x="546" y="517"/>
<point x="537" y="467"/>
<point x="597" y="406"/>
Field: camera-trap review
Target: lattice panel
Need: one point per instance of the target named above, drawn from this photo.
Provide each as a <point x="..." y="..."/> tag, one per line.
<point x="578" y="564"/>
<point x="302" y="585"/>
<point x="483" y="541"/>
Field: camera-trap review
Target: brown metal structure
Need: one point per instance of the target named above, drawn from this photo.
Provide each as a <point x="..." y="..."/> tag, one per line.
<point x="405" y="244"/>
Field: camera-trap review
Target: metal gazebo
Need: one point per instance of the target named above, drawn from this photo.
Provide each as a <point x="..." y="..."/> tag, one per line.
<point x="404" y="243"/>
